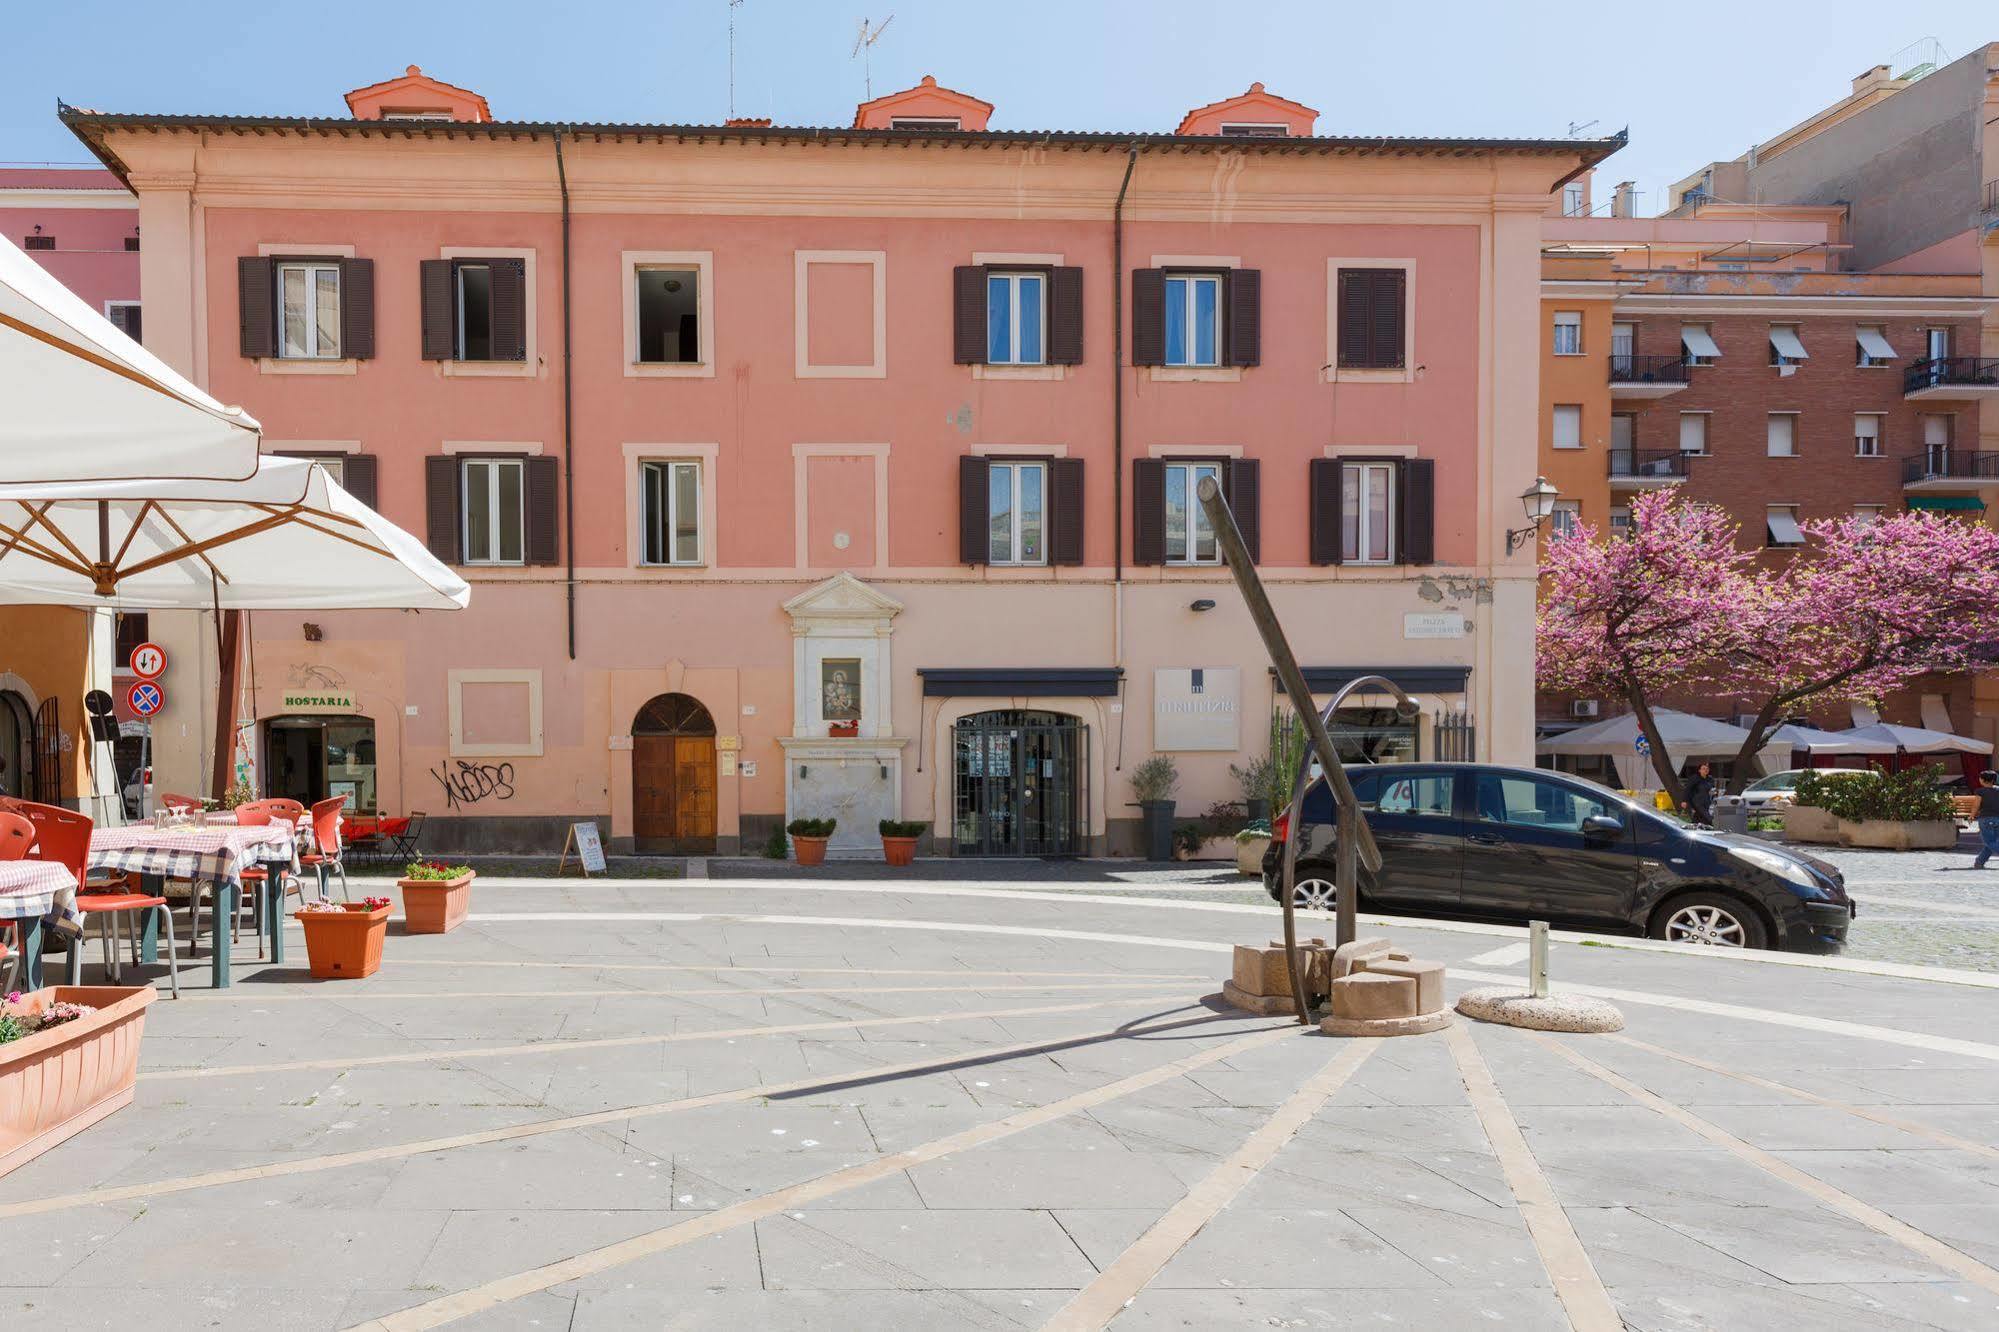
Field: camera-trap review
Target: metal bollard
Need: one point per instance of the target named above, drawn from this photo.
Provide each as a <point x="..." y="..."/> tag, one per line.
<point x="1537" y="958"/>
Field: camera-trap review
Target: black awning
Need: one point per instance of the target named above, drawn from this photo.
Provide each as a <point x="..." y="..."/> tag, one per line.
<point x="1018" y="681"/>
<point x="1414" y="679"/>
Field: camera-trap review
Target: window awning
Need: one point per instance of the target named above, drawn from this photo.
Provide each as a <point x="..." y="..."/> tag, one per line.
<point x="1948" y="502"/>
<point x="1021" y="681"/>
<point x="1414" y="679"/>
<point x="1697" y="342"/>
<point x="1785" y="340"/>
<point x="1784" y="529"/>
<point x="1874" y="344"/>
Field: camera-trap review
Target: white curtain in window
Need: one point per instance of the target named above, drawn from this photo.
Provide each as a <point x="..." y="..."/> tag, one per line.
<point x="1693" y="432"/>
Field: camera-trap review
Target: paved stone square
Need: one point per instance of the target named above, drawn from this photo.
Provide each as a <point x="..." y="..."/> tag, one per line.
<point x="793" y="1102"/>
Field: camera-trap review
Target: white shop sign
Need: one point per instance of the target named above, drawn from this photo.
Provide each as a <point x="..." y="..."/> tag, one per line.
<point x="1434" y="624"/>
<point x="1198" y="708"/>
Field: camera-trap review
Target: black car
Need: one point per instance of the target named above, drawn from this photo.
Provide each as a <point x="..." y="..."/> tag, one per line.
<point x="1483" y="841"/>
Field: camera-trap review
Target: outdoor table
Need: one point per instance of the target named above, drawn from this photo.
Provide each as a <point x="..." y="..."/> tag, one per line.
<point x="216" y="855"/>
<point x="28" y="891"/>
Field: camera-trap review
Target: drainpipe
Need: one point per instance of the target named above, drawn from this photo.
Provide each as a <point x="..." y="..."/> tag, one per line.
<point x="1117" y="432"/>
<point x="568" y="406"/>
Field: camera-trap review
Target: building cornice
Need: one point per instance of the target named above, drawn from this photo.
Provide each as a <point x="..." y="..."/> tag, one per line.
<point x="51" y="197"/>
<point x="1933" y="307"/>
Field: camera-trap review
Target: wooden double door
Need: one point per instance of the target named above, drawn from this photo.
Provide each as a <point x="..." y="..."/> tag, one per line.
<point x="673" y="777"/>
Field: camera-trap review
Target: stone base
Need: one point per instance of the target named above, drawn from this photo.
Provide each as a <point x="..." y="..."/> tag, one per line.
<point x="1397" y="1026"/>
<point x="1263" y="1005"/>
<point x="1557" y="1012"/>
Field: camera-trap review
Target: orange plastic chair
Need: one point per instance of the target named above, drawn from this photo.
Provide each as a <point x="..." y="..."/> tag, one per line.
<point x="17" y="837"/>
<point x="168" y="801"/>
<point x="63" y="836"/>
<point x="258" y="814"/>
<point x="326" y="855"/>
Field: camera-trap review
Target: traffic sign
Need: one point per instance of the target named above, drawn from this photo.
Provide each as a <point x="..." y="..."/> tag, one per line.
<point x="145" y="697"/>
<point x="1642" y="746"/>
<point x="149" y="661"/>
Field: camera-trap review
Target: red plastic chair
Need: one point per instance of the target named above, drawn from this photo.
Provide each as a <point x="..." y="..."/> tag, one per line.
<point x="326" y="855"/>
<point x="63" y="836"/>
<point x="17" y="837"/>
<point x="169" y="801"/>
<point x="258" y="814"/>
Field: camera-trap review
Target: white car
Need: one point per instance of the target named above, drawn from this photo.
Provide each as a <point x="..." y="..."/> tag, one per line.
<point x="1778" y="789"/>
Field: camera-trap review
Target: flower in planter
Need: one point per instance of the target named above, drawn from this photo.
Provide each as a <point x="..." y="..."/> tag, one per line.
<point x="437" y="871"/>
<point x="374" y="903"/>
<point x="16" y="1026"/>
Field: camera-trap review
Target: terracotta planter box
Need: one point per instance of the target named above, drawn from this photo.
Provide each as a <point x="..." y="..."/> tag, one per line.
<point x="57" y="1083"/>
<point x="896" y="850"/>
<point x="436" y="906"/>
<point x="344" y="944"/>
<point x="1893" y="835"/>
<point x="809" y="850"/>
<point x="1807" y="823"/>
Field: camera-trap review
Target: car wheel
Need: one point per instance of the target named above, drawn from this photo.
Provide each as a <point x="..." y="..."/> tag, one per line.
<point x="1713" y="919"/>
<point x="1315" y="894"/>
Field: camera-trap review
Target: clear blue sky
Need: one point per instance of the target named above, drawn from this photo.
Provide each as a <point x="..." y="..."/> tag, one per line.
<point x="1695" y="82"/>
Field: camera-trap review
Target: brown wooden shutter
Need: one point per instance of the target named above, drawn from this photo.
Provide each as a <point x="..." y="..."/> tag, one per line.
<point x="1148" y="511"/>
<point x="439" y="320"/>
<point x="974" y="511"/>
<point x="1244" y="479"/>
<point x="1065" y="486"/>
<point x="1386" y="316"/>
<point x="442" y="525"/>
<point x="357" y="477"/>
<point x="1372" y="318"/>
<point x="1353" y="294"/>
<point x="968" y="315"/>
<point x="257" y="306"/>
<point x="1065" y="316"/>
<point x="1148" y="319"/>
<point x="510" y="310"/>
<point x="1418" y="486"/>
<point x="1325" y="510"/>
<point x="357" y="308"/>
<point x="544" y="525"/>
<point x="1245" y="315"/>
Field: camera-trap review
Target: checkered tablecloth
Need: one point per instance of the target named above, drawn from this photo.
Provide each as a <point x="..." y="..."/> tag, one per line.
<point x="29" y="887"/>
<point x="214" y="855"/>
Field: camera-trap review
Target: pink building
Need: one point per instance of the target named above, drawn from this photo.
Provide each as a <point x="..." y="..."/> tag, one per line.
<point x="847" y="471"/>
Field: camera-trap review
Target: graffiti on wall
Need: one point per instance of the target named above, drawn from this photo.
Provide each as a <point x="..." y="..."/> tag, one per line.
<point x="468" y="783"/>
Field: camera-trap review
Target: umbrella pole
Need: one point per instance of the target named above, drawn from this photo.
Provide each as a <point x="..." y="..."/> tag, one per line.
<point x="228" y="630"/>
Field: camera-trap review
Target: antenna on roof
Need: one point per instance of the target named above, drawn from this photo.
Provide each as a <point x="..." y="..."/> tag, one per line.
<point x="734" y="5"/>
<point x="864" y="47"/>
<point x="1575" y="129"/>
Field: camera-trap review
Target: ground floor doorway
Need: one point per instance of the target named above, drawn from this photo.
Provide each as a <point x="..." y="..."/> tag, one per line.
<point x="309" y="759"/>
<point x="1020" y="785"/>
<point x="673" y="777"/>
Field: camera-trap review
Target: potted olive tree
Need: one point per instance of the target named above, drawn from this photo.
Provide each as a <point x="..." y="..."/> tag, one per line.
<point x="1153" y="783"/>
<point x="809" y="837"/>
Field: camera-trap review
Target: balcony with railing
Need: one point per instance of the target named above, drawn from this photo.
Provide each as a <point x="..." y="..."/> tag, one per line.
<point x="1647" y="469"/>
<point x="1634" y="376"/>
<point x="1950" y="469"/>
<point x="1949" y="377"/>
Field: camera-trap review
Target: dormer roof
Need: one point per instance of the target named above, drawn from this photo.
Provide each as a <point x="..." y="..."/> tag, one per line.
<point x="1254" y="113"/>
<point x="926" y="106"/>
<point x="414" y="95"/>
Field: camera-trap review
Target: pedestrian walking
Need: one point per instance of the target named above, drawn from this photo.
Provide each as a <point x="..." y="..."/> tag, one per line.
<point x="1988" y="817"/>
<point x="1701" y="792"/>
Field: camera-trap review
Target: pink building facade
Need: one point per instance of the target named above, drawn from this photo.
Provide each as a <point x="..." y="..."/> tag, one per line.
<point x="844" y="472"/>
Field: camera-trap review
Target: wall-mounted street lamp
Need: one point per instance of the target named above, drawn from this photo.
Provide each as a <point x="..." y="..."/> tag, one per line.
<point x="1539" y="501"/>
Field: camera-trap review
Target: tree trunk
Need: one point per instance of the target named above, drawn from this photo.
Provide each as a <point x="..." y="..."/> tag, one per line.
<point x="1662" y="763"/>
<point x="1759" y="735"/>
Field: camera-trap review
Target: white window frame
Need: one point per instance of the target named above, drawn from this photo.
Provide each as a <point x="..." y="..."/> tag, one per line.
<point x="1938" y="334"/>
<point x="1191" y="283"/>
<point x="1869" y="360"/>
<point x="1790" y="420"/>
<point x="1016" y="469"/>
<point x="1565" y="517"/>
<point x="1880" y="420"/>
<point x="1565" y="320"/>
<point x="1870" y="514"/>
<point x="311" y="269"/>
<point x="1689" y="334"/>
<point x="1624" y="338"/>
<point x="1575" y="201"/>
<point x="1362" y="532"/>
<point x="1195" y="468"/>
<point x="494" y="466"/>
<point x="109" y="306"/>
<point x="925" y="122"/>
<point x="1702" y="451"/>
<point x="1773" y="516"/>
<point x="1013" y="279"/>
<point x="693" y="274"/>
<point x="1565" y="411"/>
<point x="670" y="518"/>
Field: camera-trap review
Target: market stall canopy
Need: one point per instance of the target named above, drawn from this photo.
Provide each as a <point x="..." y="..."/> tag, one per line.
<point x="83" y="402"/>
<point x="1916" y="740"/>
<point x="1616" y="738"/>
<point x="289" y="538"/>
<point x="1814" y="741"/>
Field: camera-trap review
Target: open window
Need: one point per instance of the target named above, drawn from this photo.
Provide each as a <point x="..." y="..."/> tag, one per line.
<point x="474" y="309"/>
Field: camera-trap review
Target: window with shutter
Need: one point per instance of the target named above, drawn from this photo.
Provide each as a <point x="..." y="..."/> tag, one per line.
<point x="1148" y="316"/>
<point x="309" y="320"/>
<point x="1016" y="513"/>
<point x="544" y="523"/>
<point x="1242" y="482"/>
<point x="1148" y="511"/>
<point x="474" y="309"/>
<point x="358" y="477"/>
<point x="442" y="524"/>
<point x="1324" y="502"/>
<point x="1016" y="318"/>
<point x="974" y="530"/>
<point x="1371" y="320"/>
<point x="1187" y="536"/>
<point x="968" y="314"/>
<point x="439" y="324"/>
<point x="1065" y="316"/>
<point x="256" y="306"/>
<point x="1065" y="511"/>
<point x="1245" y="316"/>
<point x="124" y="316"/>
<point x="1417" y="520"/>
<point x="1193" y="319"/>
<point x="357" y="308"/>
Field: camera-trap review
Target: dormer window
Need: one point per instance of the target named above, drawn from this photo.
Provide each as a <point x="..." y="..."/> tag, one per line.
<point x="1251" y="130"/>
<point x="924" y="123"/>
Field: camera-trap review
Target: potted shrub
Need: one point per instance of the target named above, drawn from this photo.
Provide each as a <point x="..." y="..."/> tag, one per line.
<point x="68" y="1056"/>
<point x="436" y="896"/>
<point x="1250" y="844"/>
<point x="1255" y="778"/>
<point x="808" y="839"/>
<point x="1901" y="811"/>
<point x="1153" y="783"/>
<point x="343" y="940"/>
<point x="899" y="839"/>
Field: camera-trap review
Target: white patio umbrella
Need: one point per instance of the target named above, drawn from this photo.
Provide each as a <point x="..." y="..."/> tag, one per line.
<point x="81" y="401"/>
<point x="1814" y="741"/>
<point x="1916" y="740"/>
<point x="1616" y="738"/>
<point x="288" y="538"/>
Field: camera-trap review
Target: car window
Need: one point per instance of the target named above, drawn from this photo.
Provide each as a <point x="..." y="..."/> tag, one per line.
<point x="1425" y="794"/>
<point x="1366" y="787"/>
<point x="1533" y="802"/>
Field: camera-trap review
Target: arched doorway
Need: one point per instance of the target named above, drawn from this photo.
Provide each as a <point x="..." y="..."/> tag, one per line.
<point x="673" y="776"/>
<point x="1020" y="784"/>
<point x="17" y="747"/>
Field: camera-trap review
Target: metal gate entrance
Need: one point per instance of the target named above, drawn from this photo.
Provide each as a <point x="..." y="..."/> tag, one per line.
<point x="1021" y="785"/>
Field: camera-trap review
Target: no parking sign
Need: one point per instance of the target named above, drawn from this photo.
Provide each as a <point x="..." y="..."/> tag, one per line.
<point x="145" y="697"/>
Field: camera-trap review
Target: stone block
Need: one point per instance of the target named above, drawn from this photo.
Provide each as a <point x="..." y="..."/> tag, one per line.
<point x="1263" y="1005"/>
<point x="1370" y="994"/>
<point x="1261" y="971"/>
<point x="1348" y="958"/>
<point x="1428" y="976"/>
